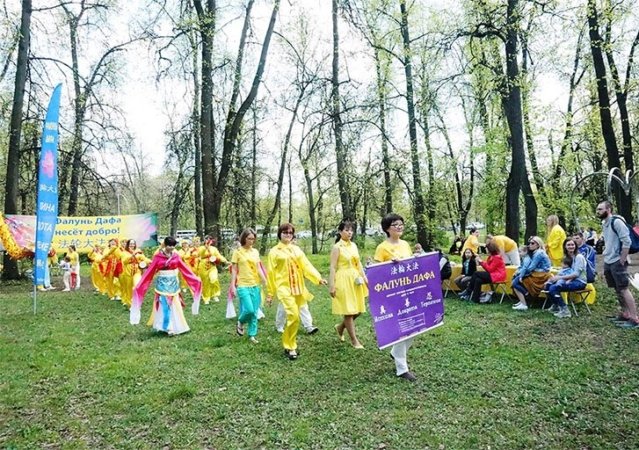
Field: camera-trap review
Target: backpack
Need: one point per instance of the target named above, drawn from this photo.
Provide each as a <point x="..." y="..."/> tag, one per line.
<point x="591" y="271"/>
<point x="634" y="238"/>
<point x="444" y="267"/>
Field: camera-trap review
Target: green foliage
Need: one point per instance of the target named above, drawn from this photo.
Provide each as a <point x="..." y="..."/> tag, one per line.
<point x="77" y="375"/>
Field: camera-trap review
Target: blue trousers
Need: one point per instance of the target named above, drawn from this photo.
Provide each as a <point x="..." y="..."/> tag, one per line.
<point x="555" y="290"/>
<point x="250" y="300"/>
<point x="516" y="284"/>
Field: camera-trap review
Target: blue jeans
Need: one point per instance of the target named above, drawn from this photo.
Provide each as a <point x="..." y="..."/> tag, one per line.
<point x="516" y="284"/>
<point x="250" y="301"/>
<point x="555" y="289"/>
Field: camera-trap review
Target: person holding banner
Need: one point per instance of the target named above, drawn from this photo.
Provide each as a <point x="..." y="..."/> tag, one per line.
<point x="394" y="249"/>
<point x="210" y="257"/>
<point x="167" y="313"/>
<point x="347" y="283"/>
<point x="287" y="268"/>
<point x="247" y="274"/>
<point x="133" y="261"/>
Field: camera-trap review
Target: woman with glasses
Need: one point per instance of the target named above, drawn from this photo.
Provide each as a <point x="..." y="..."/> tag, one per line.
<point x="530" y="279"/>
<point x="394" y="249"/>
<point x="287" y="267"/>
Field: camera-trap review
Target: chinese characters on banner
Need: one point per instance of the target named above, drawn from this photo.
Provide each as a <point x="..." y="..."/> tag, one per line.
<point x="405" y="298"/>
<point x="47" y="205"/>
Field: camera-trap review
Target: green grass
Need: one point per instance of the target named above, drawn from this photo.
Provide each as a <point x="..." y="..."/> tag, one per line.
<point x="77" y="375"/>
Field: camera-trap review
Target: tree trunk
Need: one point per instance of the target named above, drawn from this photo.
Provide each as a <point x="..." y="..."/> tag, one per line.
<point x="340" y="153"/>
<point x="621" y="95"/>
<point x="419" y="209"/>
<point x="381" y="101"/>
<point x="233" y="123"/>
<point x="511" y="102"/>
<point x="605" y="116"/>
<point x="277" y="204"/>
<point x="10" y="270"/>
<point x="197" y="143"/>
<point x="206" y="24"/>
<point x="254" y="172"/>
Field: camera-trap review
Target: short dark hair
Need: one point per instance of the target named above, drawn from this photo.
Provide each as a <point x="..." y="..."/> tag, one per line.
<point x="471" y="230"/>
<point x="567" y="260"/>
<point x="170" y="241"/>
<point x="285" y="227"/>
<point x="245" y="233"/>
<point x="344" y="225"/>
<point x="388" y="220"/>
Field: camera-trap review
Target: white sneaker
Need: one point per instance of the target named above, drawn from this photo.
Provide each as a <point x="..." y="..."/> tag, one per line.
<point x="216" y="299"/>
<point x="516" y="304"/>
<point x="520" y="307"/>
<point x="66" y="290"/>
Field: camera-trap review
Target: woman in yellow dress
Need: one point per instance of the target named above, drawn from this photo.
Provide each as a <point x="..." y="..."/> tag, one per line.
<point x="555" y="237"/>
<point x="210" y="257"/>
<point x="394" y="249"/>
<point x="347" y="283"/>
<point x="287" y="267"/>
<point x="133" y="261"/>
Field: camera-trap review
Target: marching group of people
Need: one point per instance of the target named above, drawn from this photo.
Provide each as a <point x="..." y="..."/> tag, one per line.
<point x="124" y="273"/>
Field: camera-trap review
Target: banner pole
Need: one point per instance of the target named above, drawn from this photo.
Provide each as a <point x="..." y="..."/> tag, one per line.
<point x="35" y="301"/>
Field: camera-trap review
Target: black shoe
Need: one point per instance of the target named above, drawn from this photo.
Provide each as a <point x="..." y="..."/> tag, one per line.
<point x="408" y="376"/>
<point x="313" y="330"/>
<point x="292" y="354"/>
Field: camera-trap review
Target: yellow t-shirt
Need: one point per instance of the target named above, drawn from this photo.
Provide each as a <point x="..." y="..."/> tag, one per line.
<point x="505" y="243"/>
<point x="471" y="243"/>
<point x="387" y="251"/>
<point x="247" y="264"/>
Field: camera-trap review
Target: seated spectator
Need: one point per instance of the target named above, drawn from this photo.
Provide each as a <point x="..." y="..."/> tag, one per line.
<point x="495" y="272"/>
<point x="531" y="278"/>
<point x="469" y="267"/>
<point x="566" y="269"/>
<point x="507" y="249"/>
<point x="589" y="253"/>
<point x="445" y="269"/>
<point x="568" y="279"/>
<point x="455" y="248"/>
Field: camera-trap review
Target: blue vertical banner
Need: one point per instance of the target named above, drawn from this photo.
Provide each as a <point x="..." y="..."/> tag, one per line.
<point x="47" y="206"/>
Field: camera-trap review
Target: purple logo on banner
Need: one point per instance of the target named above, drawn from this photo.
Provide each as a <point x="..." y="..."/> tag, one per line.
<point x="405" y="298"/>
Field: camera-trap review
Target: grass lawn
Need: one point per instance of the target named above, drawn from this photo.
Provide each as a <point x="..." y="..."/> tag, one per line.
<point x="77" y="375"/>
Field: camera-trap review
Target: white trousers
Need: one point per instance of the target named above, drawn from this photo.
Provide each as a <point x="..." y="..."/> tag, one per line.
<point x="66" y="279"/>
<point x="399" y="353"/>
<point x="512" y="258"/>
<point x="305" y="317"/>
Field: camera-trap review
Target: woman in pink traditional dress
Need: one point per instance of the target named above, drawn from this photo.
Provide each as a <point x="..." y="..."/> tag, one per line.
<point x="167" y="314"/>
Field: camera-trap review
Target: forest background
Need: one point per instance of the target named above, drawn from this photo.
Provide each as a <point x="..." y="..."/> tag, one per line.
<point x="448" y="112"/>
